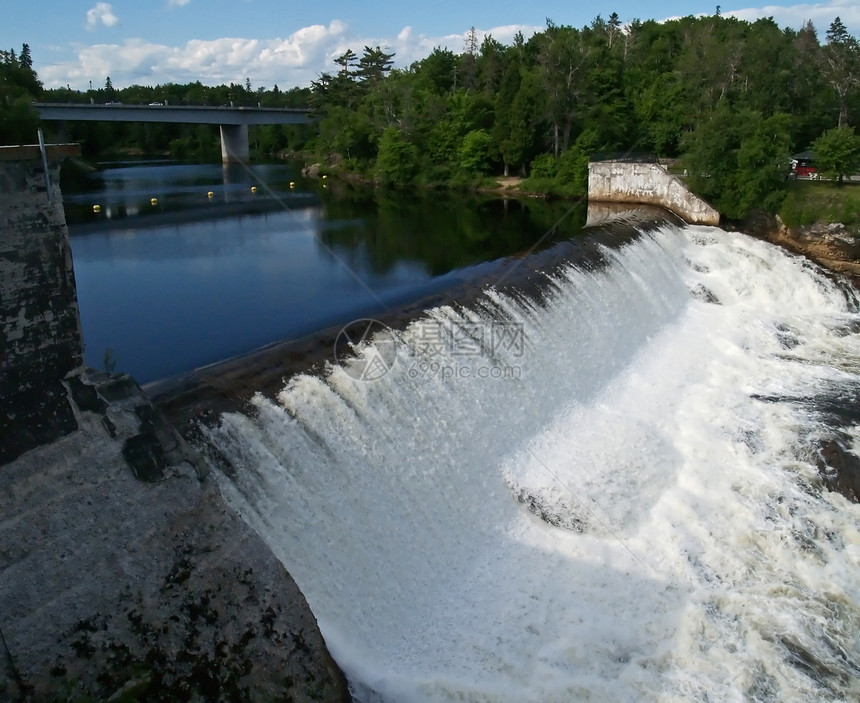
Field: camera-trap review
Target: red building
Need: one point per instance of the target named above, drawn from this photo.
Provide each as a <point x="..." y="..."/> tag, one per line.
<point x="803" y="165"/>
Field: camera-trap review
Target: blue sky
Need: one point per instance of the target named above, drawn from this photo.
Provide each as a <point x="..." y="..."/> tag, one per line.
<point x="290" y="43"/>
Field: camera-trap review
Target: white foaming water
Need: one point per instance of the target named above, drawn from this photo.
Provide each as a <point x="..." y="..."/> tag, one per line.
<point x="620" y="504"/>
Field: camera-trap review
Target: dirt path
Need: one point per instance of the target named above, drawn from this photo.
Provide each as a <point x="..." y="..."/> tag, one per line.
<point x="506" y="182"/>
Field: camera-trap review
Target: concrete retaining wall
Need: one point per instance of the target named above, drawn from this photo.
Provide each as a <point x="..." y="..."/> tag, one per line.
<point x="40" y="332"/>
<point x="647" y="183"/>
<point x="118" y="584"/>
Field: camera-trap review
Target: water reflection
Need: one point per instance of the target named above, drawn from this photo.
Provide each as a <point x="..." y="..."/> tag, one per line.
<point x="190" y="279"/>
<point x="442" y="231"/>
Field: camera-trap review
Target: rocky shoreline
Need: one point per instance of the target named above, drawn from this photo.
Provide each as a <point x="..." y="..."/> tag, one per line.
<point x="832" y="246"/>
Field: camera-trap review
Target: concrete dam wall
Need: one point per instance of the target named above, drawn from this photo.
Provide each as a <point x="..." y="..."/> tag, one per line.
<point x="123" y="573"/>
<point x="619" y="181"/>
<point x="40" y="331"/>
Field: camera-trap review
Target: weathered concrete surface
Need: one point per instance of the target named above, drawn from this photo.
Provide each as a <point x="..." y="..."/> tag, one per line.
<point x="113" y="586"/>
<point x="123" y="574"/>
<point x="649" y="184"/>
<point x="40" y="335"/>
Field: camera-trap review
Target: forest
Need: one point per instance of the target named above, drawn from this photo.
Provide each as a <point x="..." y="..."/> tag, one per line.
<point x="726" y="101"/>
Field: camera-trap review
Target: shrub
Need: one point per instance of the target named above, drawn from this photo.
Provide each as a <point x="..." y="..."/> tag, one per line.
<point x="543" y="166"/>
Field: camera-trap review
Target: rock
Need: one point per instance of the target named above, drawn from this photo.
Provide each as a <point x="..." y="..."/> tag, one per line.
<point x="832" y="246"/>
<point x="86" y="395"/>
<point x="144" y="455"/>
<point x="312" y="171"/>
<point x="839" y="468"/>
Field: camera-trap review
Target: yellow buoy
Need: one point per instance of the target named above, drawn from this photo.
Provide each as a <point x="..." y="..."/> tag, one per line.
<point x="253" y="189"/>
<point x="210" y="194"/>
<point x="153" y="202"/>
<point x="97" y="208"/>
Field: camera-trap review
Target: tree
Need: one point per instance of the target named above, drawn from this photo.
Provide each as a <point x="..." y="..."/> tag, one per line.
<point x="837" y="153"/>
<point x="396" y="162"/>
<point x="475" y="151"/>
<point x="472" y="41"/>
<point x="374" y="64"/>
<point x="25" y="60"/>
<point x="738" y="160"/>
<point x="517" y="136"/>
<point x="562" y="66"/>
<point x="763" y="160"/>
<point x="573" y="164"/>
<point x="841" y="65"/>
<point x="19" y="86"/>
<point x="347" y="62"/>
<point x="491" y="65"/>
<point x="613" y="27"/>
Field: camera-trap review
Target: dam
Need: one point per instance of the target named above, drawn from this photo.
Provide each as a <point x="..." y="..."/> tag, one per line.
<point x="599" y="474"/>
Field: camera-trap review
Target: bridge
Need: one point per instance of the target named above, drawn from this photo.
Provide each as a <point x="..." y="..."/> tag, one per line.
<point x="232" y="121"/>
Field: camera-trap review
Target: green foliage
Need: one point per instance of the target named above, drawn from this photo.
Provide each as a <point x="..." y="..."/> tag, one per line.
<point x="18" y="122"/>
<point x="19" y="86"/>
<point x="840" y="67"/>
<point x="837" y="153"/>
<point x="198" y="142"/>
<point x="573" y="163"/>
<point x="739" y="160"/>
<point x="543" y="166"/>
<point x="795" y="212"/>
<point x="475" y="151"/>
<point x="763" y="165"/>
<point x="809" y="202"/>
<point x="396" y="162"/>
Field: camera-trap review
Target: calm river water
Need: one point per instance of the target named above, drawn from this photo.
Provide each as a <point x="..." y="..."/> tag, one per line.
<point x="186" y="265"/>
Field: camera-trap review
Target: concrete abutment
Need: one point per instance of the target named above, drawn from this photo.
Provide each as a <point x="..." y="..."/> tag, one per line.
<point x="123" y="572"/>
<point x="648" y="183"/>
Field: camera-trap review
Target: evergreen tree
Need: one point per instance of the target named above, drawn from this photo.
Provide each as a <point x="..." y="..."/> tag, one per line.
<point x="25" y="59"/>
<point x="841" y="65"/>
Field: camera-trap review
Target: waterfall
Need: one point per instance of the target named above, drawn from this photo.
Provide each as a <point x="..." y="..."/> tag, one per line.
<point x="610" y="493"/>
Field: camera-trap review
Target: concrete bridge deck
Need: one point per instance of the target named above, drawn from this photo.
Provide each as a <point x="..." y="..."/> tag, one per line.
<point x="232" y="121"/>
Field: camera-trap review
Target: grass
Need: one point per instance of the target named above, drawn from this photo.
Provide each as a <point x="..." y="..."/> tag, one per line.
<point x="817" y="202"/>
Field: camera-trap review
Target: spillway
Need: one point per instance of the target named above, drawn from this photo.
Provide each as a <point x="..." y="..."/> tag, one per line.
<point x="613" y="491"/>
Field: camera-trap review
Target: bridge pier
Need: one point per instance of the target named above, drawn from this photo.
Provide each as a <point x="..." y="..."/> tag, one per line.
<point x="233" y="122"/>
<point x="234" y="144"/>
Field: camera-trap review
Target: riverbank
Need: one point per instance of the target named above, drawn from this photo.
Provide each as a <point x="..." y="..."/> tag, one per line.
<point x="834" y="246"/>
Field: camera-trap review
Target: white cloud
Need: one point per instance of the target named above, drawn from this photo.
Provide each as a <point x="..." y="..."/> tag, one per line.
<point x="794" y="16"/>
<point x="299" y="58"/>
<point x="102" y="13"/>
<point x="178" y="3"/>
<point x="295" y="60"/>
